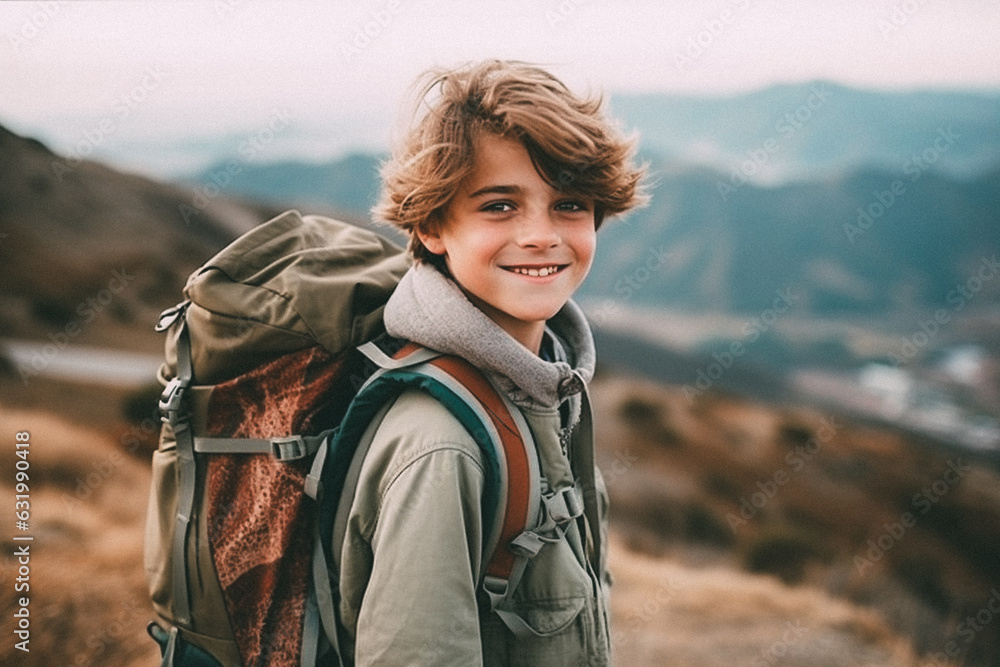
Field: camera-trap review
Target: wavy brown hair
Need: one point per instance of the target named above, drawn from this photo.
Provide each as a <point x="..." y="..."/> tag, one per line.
<point x="574" y="147"/>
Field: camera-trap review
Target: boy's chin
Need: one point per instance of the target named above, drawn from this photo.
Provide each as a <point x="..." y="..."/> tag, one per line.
<point x="542" y="314"/>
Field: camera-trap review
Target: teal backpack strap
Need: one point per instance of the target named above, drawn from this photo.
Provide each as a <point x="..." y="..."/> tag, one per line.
<point x="288" y="448"/>
<point x="512" y="495"/>
<point x="528" y="520"/>
<point x="381" y="390"/>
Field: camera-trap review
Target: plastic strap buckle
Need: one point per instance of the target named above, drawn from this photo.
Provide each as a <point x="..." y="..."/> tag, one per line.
<point x="289" y="448"/>
<point x="171" y="400"/>
<point x="527" y="544"/>
<point x="564" y="505"/>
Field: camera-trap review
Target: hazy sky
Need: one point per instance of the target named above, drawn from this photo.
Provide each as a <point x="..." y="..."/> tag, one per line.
<point x="227" y="66"/>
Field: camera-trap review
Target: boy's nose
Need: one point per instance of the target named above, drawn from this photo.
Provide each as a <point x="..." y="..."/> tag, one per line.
<point x="538" y="230"/>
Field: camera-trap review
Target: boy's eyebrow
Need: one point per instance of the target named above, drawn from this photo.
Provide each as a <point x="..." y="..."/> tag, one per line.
<point x="496" y="190"/>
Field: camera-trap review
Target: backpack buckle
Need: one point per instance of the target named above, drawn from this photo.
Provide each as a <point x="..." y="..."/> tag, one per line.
<point x="289" y="448"/>
<point x="171" y="400"/>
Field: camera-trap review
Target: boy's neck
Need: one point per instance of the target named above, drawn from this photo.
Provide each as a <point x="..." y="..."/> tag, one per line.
<point x="528" y="334"/>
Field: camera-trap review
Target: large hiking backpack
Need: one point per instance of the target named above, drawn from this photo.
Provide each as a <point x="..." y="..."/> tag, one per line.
<point x="276" y="365"/>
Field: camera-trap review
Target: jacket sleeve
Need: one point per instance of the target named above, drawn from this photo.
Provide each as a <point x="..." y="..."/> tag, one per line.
<point x="420" y="607"/>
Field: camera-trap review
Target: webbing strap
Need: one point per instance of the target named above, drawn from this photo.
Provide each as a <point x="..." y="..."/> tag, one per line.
<point x="382" y="389"/>
<point x="583" y="456"/>
<point x="321" y="597"/>
<point x="351" y="485"/>
<point x="560" y="509"/>
<point x="173" y="409"/>
<point x="170" y="651"/>
<point x="314" y="480"/>
<point x="310" y="633"/>
<point x="515" y="548"/>
<point x="290" y="448"/>
<point x="520" y="482"/>
<point x="325" y="601"/>
<point x="410" y="355"/>
<point x="512" y="494"/>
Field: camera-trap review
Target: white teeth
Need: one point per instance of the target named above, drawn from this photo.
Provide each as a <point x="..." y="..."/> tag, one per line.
<point x="542" y="272"/>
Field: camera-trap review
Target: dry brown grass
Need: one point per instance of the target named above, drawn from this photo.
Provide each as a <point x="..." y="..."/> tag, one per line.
<point x="668" y="614"/>
<point x="89" y="604"/>
<point x="691" y="604"/>
<point x="823" y="490"/>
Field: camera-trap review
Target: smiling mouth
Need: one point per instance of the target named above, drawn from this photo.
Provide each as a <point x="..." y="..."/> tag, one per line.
<point x="536" y="271"/>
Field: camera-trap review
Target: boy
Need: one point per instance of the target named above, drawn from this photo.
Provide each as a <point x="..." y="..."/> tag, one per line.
<point x="501" y="186"/>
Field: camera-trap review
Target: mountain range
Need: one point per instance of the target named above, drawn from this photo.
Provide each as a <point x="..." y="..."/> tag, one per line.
<point x="90" y="255"/>
<point x="892" y="227"/>
<point x="862" y="203"/>
<point x="812" y="130"/>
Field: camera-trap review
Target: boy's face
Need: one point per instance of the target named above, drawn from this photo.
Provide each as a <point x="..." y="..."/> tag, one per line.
<point x="516" y="246"/>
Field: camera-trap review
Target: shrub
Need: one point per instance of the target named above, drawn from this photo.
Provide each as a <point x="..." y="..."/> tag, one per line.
<point x="639" y="411"/>
<point x="646" y="417"/>
<point x="721" y="486"/>
<point x="52" y="312"/>
<point x="795" y="434"/>
<point x="924" y="579"/>
<point x="783" y="552"/>
<point x="702" y="525"/>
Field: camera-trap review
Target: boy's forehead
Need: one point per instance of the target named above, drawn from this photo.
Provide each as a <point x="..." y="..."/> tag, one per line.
<point x="494" y="161"/>
<point x="501" y="165"/>
<point x="488" y="147"/>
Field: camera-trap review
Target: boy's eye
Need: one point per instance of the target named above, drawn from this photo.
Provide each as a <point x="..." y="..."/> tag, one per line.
<point x="572" y="206"/>
<point x="498" y="207"/>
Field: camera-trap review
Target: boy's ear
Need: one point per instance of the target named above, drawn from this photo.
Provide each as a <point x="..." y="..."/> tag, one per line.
<point x="431" y="240"/>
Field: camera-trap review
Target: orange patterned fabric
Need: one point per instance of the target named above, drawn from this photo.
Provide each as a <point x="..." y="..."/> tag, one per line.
<point x="260" y="522"/>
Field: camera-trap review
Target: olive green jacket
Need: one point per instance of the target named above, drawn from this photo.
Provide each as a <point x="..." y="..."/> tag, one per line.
<point x="412" y="555"/>
<point x="411" y="561"/>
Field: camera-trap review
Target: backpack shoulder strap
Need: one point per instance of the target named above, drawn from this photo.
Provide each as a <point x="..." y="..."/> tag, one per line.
<point x="513" y="487"/>
<point x="516" y="502"/>
<point x="512" y="496"/>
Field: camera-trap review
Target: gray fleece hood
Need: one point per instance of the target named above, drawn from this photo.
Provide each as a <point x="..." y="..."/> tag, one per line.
<point x="429" y="308"/>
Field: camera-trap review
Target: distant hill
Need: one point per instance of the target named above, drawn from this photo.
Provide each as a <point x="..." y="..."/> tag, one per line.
<point x="817" y="129"/>
<point x="790" y="132"/>
<point x="348" y="184"/>
<point x="90" y="253"/>
<point x="871" y="242"/>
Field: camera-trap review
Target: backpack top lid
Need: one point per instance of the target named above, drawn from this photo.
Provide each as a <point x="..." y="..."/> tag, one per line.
<point x="292" y="282"/>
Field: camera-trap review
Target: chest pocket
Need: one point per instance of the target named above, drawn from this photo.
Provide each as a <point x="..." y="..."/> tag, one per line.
<point x="559" y="610"/>
<point x="554" y="589"/>
<point x="555" y="583"/>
